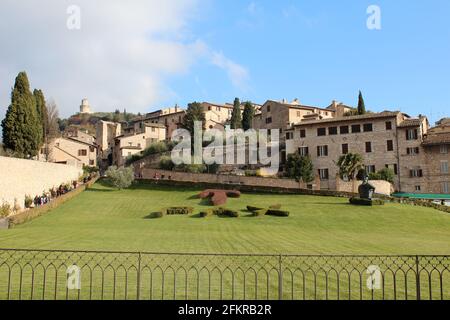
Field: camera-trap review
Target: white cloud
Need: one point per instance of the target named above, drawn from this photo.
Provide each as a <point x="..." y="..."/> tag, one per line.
<point x="237" y="74"/>
<point x="120" y="58"/>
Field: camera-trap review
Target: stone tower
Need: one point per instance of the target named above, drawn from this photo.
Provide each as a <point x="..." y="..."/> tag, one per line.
<point x="85" y="107"/>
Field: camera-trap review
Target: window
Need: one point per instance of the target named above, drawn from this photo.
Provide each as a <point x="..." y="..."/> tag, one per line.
<point x="91" y="149"/>
<point x="153" y="129"/>
<point x="324" y="174"/>
<point x="416" y="173"/>
<point x="268" y="108"/>
<point x="444" y="167"/>
<point x="418" y="188"/>
<point x="368" y="127"/>
<point x="321" y="132"/>
<point x="390" y="145"/>
<point x="139" y="145"/>
<point x="445" y="187"/>
<point x="344" y="129"/>
<point x="388" y="125"/>
<point x="299" y="114"/>
<point x="356" y="128"/>
<point x="82" y="152"/>
<point x="289" y="135"/>
<point x="302" y="133"/>
<point x="411" y="134"/>
<point x="412" y="151"/>
<point x="269" y="120"/>
<point x="322" y="151"/>
<point x="444" y="149"/>
<point x="345" y="148"/>
<point x="303" y="151"/>
<point x="209" y="108"/>
<point x="368" y="147"/>
<point x="370" y="169"/>
<point x="332" y="131"/>
<point x="91" y="162"/>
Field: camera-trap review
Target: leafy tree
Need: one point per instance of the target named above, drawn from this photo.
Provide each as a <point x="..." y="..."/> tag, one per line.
<point x="361" y="104"/>
<point x="236" y="117"/>
<point x="194" y="113"/>
<point x="247" y="116"/>
<point x="41" y="111"/>
<point x="349" y="165"/>
<point x="385" y="174"/>
<point x="116" y="116"/>
<point x="300" y="167"/>
<point x="22" y="131"/>
<point x="121" y="178"/>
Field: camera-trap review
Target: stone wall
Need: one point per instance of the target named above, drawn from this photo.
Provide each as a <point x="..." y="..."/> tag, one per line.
<point x="19" y="177"/>
<point x="381" y="186"/>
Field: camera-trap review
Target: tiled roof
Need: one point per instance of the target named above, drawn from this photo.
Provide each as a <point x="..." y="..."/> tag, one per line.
<point x="436" y="139"/>
<point x="385" y="114"/>
<point x="409" y="123"/>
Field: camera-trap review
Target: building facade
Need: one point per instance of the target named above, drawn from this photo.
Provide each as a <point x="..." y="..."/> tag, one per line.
<point x="385" y="140"/>
<point x="66" y="150"/>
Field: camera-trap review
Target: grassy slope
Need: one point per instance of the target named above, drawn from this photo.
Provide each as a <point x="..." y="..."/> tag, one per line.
<point x="103" y="219"/>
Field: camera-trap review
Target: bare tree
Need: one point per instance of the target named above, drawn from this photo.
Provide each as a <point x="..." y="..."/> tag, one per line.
<point x="51" y="126"/>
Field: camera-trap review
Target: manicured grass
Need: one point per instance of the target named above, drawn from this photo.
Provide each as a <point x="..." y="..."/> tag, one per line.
<point x="106" y="219"/>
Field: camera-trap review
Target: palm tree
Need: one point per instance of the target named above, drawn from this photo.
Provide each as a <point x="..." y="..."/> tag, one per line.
<point x="349" y="165"/>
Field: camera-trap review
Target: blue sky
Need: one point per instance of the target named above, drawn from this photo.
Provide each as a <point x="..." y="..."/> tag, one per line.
<point x="144" y="55"/>
<point x="318" y="51"/>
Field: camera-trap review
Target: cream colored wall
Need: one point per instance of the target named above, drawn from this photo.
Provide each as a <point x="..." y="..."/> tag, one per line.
<point x="28" y="177"/>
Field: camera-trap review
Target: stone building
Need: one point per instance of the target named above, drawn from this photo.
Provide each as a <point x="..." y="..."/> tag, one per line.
<point x="283" y="114"/>
<point x="385" y="140"/>
<point x="66" y="150"/>
<point x="106" y="132"/>
<point x="85" y="108"/>
<point x="143" y="136"/>
<point x="171" y="118"/>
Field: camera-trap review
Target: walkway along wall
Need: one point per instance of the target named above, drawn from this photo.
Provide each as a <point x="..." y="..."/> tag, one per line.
<point x="19" y="177"/>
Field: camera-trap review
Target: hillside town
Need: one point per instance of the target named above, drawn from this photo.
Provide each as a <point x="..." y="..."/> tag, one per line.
<point x="416" y="151"/>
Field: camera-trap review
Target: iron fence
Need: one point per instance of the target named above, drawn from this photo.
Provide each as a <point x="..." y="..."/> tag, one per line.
<point x="90" y="275"/>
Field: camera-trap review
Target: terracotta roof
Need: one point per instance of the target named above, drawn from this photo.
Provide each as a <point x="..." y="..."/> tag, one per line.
<point x="131" y="148"/>
<point x="298" y="106"/>
<point x="436" y="139"/>
<point x="385" y="114"/>
<point x="157" y="125"/>
<point x="410" y="123"/>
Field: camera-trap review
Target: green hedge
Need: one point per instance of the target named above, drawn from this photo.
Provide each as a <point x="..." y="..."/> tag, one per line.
<point x="178" y="210"/>
<point x="277" y="213"/>
<point x="253" y="209"/>
<point x="259" y="213"/>
<point x="157" y="215"/>
<point x="366" y="202"/>
<point x="226" y="213"/>
<point x="206" y="213"/>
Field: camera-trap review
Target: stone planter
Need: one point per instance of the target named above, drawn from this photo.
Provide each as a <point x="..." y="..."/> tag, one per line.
<point x="4" y="223"/>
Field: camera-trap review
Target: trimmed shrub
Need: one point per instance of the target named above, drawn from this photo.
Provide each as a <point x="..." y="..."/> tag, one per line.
<point x="223" y="212"/>
<point x="157" y="215"/>
<point x="253" y="209"/>
<point x="366" y="202"/>
<point x="165" y="163"/>
<point x="277" y="213"/>
<point x="178" y="210"/>
<point x="28" y="201"/>
<point x="206" y="213"/>
<point x="219" y="197"/>
<point x="259" y="213"/>
<point x="5" y="210"/>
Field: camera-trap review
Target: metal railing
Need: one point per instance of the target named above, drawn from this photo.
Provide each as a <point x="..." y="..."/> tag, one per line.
<point x="91" y="275"/>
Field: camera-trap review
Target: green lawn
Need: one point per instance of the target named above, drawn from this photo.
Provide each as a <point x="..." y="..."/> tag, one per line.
<point x="106" y="219"/>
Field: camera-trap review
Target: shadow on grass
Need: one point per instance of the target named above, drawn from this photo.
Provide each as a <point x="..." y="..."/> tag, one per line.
<point x="153" y="215"/>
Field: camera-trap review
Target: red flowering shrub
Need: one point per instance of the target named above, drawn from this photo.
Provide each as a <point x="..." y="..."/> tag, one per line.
<point x="219" y="197"/>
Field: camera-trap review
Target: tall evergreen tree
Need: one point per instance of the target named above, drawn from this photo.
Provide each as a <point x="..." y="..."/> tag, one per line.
<point x="361" y="104"/>
<point x="236" y="117"/>
<point x="247" y="116"/>
<point x="41" y="111"/>
<point x="21" y="127"/>
<point x="194" y="113"/>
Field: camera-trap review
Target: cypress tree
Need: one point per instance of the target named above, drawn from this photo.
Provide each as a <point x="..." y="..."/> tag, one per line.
<point x="236" y="117"/>
<point x="21" y="127"/>
<point x="194" y="113"/>
<point x="361" y="104"/>
<point x="41" y="111"/>
<point x="247" y="116"/>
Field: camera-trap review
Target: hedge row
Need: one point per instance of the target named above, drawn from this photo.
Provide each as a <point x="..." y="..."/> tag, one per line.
<point x="221" y="212"/>
<point x="178" y="210"/>
<point x="273" y="210"/>
<point x="39" y="211"/>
